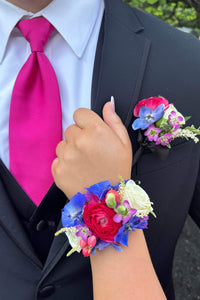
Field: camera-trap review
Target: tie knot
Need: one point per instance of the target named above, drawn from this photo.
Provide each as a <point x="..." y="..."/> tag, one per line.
<point x="36" y="31"/>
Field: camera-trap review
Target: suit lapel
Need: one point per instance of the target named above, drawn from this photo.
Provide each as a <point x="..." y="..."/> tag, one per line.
<point x="58" y="249"/>
<point x="120" y="67"/>
<point x="11" y="225"/>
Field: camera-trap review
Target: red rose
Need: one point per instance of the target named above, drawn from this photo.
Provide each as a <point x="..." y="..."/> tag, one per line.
<point x="99" y="218"/>
<point x="152" y="102"/>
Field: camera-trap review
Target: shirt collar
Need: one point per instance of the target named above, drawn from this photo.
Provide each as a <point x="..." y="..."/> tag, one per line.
<point x="7" y="24"/>
<point x="74" y="20"/>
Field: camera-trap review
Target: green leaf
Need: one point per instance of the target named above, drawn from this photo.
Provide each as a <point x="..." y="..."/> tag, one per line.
<point x="151" y="212"/>
<point x="152" y="1"/>
<point x="168" y="146"/>
<point x="193" y="129"/>
<point x="187" y="118"/>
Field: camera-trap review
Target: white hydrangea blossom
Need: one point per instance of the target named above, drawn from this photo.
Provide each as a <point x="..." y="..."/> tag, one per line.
<point x="137" y="198"/>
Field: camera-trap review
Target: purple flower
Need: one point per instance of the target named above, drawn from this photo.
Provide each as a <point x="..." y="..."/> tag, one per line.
<point x="148" y="117"/>
<point x="72" y="213"/>
<point x="130" y="212"/>
<point x="175" y="120"/>
<point x="83" y="231"/>
<point x="135" y="222"/>
<point x="164" y="139"/>
<point x="152" y="133"/>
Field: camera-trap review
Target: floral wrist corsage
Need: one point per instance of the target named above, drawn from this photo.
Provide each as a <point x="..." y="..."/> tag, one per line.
<point x="160" y="123"/>
<point x="104" y="215"/>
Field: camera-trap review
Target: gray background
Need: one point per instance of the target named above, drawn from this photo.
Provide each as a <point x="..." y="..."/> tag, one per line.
<point x="186" y="271"/>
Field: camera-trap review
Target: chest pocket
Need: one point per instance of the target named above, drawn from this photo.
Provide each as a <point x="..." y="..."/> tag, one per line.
<point x="181" y="150"/>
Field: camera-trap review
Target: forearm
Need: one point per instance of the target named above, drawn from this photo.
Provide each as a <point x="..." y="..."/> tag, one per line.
<point x="125" y="275"/>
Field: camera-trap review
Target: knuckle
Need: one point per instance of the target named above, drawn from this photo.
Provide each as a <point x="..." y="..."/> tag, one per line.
<point x="68" y="132"/>
<point x="59" y="148"/>
<point x="56" y="169"/>
<point x="54" y="166"/>
<point x="69" y="155"/>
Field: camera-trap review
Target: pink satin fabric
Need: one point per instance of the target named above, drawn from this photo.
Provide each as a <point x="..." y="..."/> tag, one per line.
<point x="35" y="122"/>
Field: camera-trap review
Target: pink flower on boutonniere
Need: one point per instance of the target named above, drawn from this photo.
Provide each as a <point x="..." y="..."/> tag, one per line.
<point x="164" y="139"/>
<point x="152" y="102"/>
<point x="152" y="133"/>
<point x="175" y="120"/>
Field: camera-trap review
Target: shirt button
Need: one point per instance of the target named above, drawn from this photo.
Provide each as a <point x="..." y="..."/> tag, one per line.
<point x="47" y="291"/>
<point x="41" y="225"/>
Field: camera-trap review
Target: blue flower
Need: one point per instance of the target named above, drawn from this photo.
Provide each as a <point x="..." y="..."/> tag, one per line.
<point x="72" y="213"/>
<point x="148" y="117"/>
<point x="100" y="189"/>
<point x="116" y="247"/>
<point x="101" y="244"/>
<point x="135" y="222"/>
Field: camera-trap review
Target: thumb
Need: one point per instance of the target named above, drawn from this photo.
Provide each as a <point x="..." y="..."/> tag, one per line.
<point x="114" y="122"/>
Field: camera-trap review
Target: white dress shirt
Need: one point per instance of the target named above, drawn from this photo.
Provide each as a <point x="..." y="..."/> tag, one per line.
<point x="70" y="49"/>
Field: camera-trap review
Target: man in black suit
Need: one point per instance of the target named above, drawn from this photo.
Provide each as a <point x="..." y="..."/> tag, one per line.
<point x="138" y="56"/>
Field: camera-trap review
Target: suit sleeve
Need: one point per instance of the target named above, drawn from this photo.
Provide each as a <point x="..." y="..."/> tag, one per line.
<point x="195" y="204"/>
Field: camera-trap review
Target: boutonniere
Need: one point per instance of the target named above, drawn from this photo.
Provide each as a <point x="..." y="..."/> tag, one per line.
<point x="159" y="123"/>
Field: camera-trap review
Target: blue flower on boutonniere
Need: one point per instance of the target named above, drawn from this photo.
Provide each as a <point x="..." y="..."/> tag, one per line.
<point x="148" y="116"/>
<point x="160" y="123"/>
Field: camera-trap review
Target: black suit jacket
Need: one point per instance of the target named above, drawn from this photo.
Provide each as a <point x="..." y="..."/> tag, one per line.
<point x="138" y="56"/>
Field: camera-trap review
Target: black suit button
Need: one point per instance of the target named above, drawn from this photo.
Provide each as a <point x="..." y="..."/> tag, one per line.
<point x="47" y="291"/>
<point x="41" y="225"/>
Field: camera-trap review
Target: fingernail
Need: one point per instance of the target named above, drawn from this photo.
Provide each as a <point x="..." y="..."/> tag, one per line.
<point x="112" y="101"/>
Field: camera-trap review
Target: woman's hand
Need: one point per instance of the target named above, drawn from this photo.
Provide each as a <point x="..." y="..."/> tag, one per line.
<point x="94" y="150"/>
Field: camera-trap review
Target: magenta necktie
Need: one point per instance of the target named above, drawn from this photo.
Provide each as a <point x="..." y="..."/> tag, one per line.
<point x="35" y="123"/>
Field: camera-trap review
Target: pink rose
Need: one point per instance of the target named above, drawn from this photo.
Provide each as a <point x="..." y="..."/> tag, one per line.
<point x="99" y="218"/>
<point x="152" y="102"/>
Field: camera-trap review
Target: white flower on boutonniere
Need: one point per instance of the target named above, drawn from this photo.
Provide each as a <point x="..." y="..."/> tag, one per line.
<point x="172" y="114"/>
<point x="137" y="198"/>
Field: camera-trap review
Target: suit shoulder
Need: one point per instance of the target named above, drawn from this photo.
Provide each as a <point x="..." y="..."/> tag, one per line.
<point x="159" y="31"/>
<point x="156" y="28"/>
